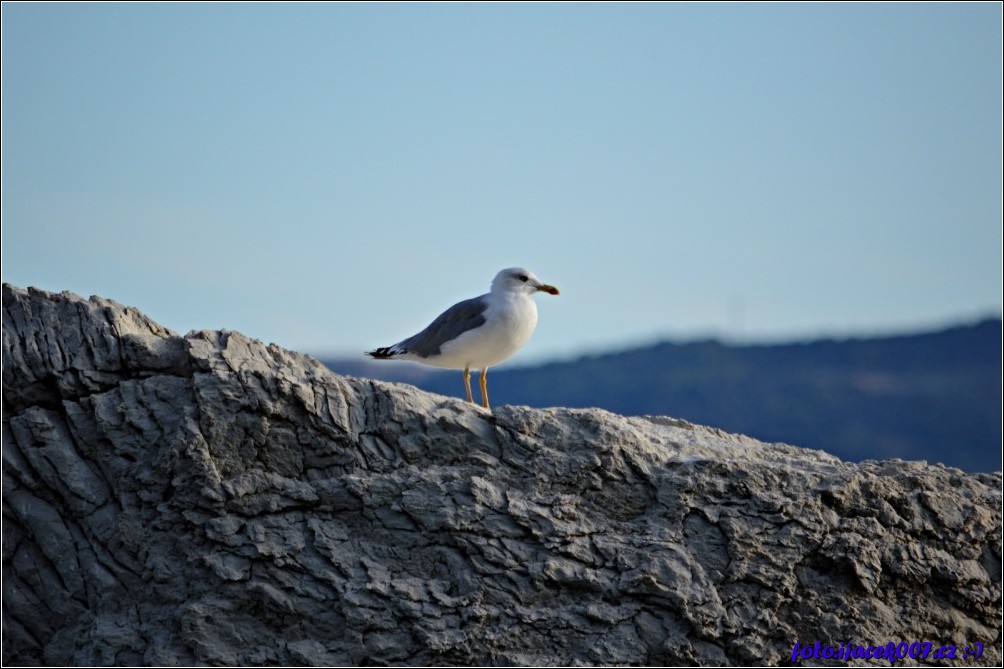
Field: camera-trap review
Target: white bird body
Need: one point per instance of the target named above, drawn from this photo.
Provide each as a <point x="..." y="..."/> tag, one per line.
<point x="477" y="333"/>
<point x="509" y="322"/>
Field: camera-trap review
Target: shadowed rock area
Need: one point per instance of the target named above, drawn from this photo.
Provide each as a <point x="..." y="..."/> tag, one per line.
<point x="208" y="499"/>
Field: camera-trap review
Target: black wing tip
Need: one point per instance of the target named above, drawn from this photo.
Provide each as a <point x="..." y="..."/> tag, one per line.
<point x="381" y="353"/>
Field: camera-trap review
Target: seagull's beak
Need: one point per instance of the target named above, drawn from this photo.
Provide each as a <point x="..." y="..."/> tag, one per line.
<point x="547" y="289"/>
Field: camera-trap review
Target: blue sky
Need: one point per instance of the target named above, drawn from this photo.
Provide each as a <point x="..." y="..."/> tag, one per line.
<point x="330" y="177"/>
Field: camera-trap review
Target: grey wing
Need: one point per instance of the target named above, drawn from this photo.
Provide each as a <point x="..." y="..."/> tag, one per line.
<point x="450" y="324"/>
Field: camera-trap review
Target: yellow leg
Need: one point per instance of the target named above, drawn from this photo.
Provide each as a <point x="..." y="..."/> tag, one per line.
<point x="467" y="384"/>
<point x="484" y="388"/>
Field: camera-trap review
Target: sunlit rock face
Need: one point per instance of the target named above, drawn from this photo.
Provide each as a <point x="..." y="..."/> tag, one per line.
<point x="208" y="499"/>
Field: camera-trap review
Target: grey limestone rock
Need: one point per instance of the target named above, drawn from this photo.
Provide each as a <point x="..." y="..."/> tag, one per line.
<point x="208" y="499"/>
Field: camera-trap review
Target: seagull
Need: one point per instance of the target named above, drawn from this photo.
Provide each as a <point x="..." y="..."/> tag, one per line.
<point x="480" y="332"/>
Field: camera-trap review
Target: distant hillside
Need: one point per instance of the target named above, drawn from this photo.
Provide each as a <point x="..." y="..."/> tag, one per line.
<point x="933" y="396"/>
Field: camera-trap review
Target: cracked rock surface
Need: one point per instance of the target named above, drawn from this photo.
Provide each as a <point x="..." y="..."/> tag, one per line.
<point x="208" y="499"/>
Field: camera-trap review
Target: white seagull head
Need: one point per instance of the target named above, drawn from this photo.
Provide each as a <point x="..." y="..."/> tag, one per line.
<point x="520" y="280"/>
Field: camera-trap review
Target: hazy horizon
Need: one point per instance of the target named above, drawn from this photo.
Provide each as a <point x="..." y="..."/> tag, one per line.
<point x="521" y="361"/>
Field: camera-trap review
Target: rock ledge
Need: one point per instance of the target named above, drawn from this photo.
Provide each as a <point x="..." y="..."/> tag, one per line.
<point x="208" y="499"/>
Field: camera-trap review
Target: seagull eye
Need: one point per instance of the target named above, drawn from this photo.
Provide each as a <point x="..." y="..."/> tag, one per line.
<point x="523" y="277"/>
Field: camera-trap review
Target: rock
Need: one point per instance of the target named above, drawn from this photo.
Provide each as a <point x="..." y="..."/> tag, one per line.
<point x="208" y="499"/>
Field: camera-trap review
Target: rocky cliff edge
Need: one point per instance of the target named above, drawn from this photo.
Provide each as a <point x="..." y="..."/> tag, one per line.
<point x="208" y="499"/>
